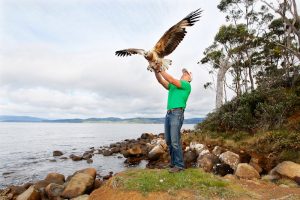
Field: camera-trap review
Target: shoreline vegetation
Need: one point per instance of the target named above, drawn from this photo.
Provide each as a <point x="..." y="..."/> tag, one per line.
<point x="214" y="171"/>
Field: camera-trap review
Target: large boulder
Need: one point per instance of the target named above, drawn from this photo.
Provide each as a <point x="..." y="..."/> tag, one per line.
<point x="198" y="147"/>
<point x="246" y="171"/>
<point x="147" y="136"/>
<point x="30" y="194"/>
<point x="189" y="157"/>
<point x="90" y="171"/>
<point x="287" y="169"/>
<point x="230" y="158"/>
<point x="254" y="162"/>
<point x="222" y="169"/>
<point x="207" y="161"/>
<point x="134" y="151"/>
<point x="40" y="185"/>
<point x="132" y="161"/>
<point x="54" y="190"/>
<point x="217" y="150"/>
<point x="112" y="145"/>
<point x="57" y="153"/>
<point x="107" y="152"/>
<point x="158" y="141"/>
<point x="16" y="190"/>
<point x="78" y="185"/>
<point x="87" y="155"/>
<point x="75" y="158"/>
<point x="125" y="153"/>
<point x="161" y="135"/>
<point x="115" y="149"/>
<point x="55" y="178"/>
<point x="156" y="153"/>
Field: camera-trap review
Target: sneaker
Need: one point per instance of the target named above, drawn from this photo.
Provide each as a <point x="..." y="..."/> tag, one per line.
<point x="175" y="170"/>
<point x="171" y="165"/>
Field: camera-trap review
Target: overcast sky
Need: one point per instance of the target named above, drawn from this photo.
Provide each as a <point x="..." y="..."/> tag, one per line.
<point x="57" y="57"/>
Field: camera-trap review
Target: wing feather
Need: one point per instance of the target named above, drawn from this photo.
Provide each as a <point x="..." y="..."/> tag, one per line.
<point x="171" y="38"/>
<point x="129" y="52"/>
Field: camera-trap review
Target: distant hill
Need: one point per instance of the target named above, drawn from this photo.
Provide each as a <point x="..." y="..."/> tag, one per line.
<point x="8" y="118"/>
<point x="137" y="120"/>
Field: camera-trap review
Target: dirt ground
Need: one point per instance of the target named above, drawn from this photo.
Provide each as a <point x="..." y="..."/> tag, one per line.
<point x="258" y="190"/>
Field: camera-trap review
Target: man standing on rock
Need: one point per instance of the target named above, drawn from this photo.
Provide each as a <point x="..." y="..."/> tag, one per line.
<point x="179" y="91"/>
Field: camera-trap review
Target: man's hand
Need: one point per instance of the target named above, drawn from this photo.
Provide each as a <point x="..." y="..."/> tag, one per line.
<point x="157" y="66"/>
<point x="158" y="70"/>
<point x="162" y="81"/>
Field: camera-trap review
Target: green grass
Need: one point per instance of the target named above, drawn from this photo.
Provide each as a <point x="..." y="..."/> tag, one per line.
<point x="194" y="180"/>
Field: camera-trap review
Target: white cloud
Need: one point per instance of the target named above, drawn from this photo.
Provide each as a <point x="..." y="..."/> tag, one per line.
<point x="57" y="58"/>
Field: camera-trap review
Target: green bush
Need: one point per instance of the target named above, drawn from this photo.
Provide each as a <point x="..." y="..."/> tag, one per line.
<point x="279" y="142"/>
<point x="260" y="109"/>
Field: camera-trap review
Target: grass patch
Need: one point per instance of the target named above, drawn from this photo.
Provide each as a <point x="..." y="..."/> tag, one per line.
<point x="194" y="180"/>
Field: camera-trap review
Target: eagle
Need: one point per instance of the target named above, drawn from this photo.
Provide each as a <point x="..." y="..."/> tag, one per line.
<point x="165" y="45"/>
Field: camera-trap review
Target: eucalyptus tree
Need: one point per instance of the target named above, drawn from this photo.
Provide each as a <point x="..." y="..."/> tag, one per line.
<point x="288" y="11"/>
<point x="275" y="61"/>
<point x="219" y="59"/>
<point x="236" y="45"/>
<point x="289" y="21"/>
<point x="223" y="54"/>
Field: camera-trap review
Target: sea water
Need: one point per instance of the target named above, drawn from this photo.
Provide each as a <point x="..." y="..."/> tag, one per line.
<point x="26" y="148"/>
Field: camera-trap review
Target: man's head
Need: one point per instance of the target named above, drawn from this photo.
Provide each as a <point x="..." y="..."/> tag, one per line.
<point x="186" y="75"/>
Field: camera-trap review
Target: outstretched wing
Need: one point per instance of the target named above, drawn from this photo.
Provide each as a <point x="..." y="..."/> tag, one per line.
<point x="171" y="38"/>
<point x="129" y="52"/>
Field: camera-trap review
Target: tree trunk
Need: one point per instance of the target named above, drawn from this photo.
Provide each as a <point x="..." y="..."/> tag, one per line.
<point x="224" y="66"/>
<point x="238" y="83"/>
<point x="251" y="78"/>
<point x="245" y="80"/>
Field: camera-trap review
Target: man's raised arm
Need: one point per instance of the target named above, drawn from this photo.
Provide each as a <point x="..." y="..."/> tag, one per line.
<point x="171" y="79"/>
<point x="163" y="82"/>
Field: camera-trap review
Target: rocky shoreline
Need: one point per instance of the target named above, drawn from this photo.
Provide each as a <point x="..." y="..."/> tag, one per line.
<point x="153" y="149"/>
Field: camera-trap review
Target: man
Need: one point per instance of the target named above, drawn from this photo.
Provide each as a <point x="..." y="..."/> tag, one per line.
<point x="179" y="91"/>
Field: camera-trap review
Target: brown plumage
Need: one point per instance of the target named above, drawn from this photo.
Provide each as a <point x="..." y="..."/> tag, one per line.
<point x="166" y="44"/>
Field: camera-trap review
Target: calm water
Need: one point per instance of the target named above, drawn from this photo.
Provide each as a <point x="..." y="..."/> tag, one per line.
<point x="26" y="148"/>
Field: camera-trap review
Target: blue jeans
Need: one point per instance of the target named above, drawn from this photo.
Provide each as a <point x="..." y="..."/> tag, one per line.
<point x="173" y="123"/>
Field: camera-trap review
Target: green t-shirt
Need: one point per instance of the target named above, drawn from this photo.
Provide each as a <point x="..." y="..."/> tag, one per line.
<point x="178" y="97"/>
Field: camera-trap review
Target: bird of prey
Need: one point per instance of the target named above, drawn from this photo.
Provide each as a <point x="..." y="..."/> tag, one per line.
<point x="166" y="44"/>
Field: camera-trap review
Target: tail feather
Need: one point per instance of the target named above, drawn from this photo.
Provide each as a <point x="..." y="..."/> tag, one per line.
<point x="166" y="63"/>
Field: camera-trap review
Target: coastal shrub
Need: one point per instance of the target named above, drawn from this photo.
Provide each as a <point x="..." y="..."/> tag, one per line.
<point x="267" y="110"/>
<point x="208" y="123"/>
<point x="240" y="119"/>
<point x="284" y="143"/>
<point x="290" y="155"/>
